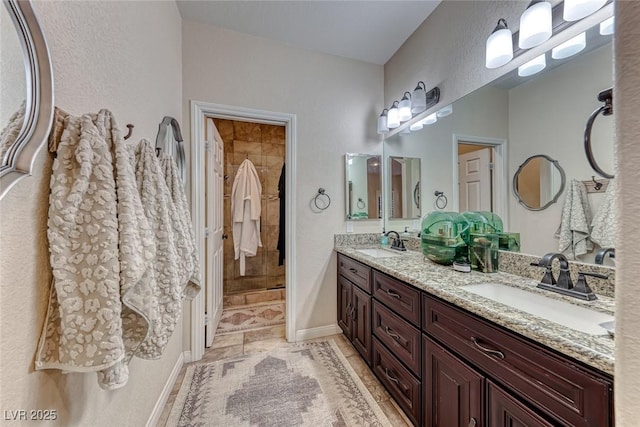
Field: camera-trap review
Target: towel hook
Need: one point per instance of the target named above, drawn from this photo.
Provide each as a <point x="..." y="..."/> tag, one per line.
<point x="597" y="185"/>
<point x="605" y="96"/>
<point x="130" y="131"/>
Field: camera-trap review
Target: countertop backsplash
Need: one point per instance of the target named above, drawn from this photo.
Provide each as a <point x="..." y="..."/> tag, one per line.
<point x="508" y="262"/>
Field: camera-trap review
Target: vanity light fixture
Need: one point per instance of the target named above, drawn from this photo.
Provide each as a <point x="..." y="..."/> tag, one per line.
<point x="570" y="47"/>
<point x="430" y="119"/>
<point x="535" y="24"/>
<point x="419" y="98"/>
<point x="499" y="46"/>
<point x="575" y="10"/>
<point x="445" y="111"/>
<point x="532" y="67"/>
<point x="404" y="109"/>
<point x="382" y="122"/>
<point x="393" y="118"/>
<point x="606" y="26"/>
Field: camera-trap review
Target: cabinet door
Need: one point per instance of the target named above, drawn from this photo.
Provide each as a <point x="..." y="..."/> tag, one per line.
<point x="345" y="291"/>
<point x="506" y="411"/>
<point x="361" y="327"/>
<point x="452" y="390"/>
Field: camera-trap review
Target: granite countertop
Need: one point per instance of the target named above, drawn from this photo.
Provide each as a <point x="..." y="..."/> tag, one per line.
<point x="442" y="281"/>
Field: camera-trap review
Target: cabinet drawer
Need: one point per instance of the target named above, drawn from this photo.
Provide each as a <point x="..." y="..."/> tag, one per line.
<point x="558" y="386"/>
<point x="398" y="296"/>
<point x="401" y="337"/>
<point x="400" y="383"/>
<point x="506" y="411"/>
<point x="355" y="271"/>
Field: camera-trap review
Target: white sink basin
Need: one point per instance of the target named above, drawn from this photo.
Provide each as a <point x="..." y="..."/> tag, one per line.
<point x="561" y="312"/>
<point x="378" y="253"/>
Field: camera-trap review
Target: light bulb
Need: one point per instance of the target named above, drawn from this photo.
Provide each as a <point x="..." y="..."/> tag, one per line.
<point x="606" y="26"/>
<point x="419" y="99"/>
<point x="445" y="111"/>
<point x="575" y="10"/>
<point x="393" y="120"/>
<point x="499" y="46"/>
<point x="535" y="25"/>
<point x="534" y="66"/>
<point x="382" y="122"/>
<point x="430" y="119"/>
<point x="404" y="109"/>
<point x="570" y="47"/>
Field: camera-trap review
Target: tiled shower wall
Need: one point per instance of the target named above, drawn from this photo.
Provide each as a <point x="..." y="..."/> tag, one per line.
<point x="264" y="145"/>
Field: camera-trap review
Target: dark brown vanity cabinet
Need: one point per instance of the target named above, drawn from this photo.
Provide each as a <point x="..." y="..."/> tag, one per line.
<point x="354" y="304"/>
<point x="446" y="367"/>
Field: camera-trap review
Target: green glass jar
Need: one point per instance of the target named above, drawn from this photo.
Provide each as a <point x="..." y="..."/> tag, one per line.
<point x="444" y="237"/>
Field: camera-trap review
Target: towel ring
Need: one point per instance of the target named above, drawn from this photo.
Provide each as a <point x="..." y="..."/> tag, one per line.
<point x="605" y="96"/>
<point x="320" y="195"/>
<point x="360" y="204"/>
<point x="441" y="199"/>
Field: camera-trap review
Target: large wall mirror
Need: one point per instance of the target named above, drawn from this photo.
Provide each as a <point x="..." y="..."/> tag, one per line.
<point x="26" y="90"/>
<point x="363" y="186"/>
<point x="404" y="187"/>
<point x="496" y="128"/>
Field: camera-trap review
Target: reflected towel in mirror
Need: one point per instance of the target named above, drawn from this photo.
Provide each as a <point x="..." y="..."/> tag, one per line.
<point x="575" y="224"/>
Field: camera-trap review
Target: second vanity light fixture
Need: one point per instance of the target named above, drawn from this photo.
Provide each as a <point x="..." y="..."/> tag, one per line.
<point x="410" y="105"/>
<point x="536" y="27"/>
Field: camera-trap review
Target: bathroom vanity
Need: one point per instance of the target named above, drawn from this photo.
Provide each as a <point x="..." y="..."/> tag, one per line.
<point x="453" y="358"/>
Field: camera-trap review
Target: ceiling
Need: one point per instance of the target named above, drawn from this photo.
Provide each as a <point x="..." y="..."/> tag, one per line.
<point x="370" y="31"/>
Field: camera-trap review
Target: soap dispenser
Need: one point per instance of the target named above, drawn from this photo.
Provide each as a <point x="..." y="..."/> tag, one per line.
<point x="384" y="240"/>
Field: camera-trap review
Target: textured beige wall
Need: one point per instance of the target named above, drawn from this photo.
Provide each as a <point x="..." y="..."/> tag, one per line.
<point x="336" y="102"/>
<point x="125" y="56"/>
<point x="626" y="107"/>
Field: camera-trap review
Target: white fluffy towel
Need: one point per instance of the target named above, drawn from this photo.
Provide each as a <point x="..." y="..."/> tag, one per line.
<point x="245" y="211"/>
<point x="575" y="225"/>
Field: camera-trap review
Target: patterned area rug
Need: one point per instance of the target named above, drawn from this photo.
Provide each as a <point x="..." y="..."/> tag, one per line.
<point x="309" y="384"/>
<point x="251" y="317"/>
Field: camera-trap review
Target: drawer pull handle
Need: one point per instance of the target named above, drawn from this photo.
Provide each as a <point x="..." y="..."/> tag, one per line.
<point x="393" y="294"/>
<point x="353" y="312"/>
<point x="390" y="377"/>
<point x="349" y="308"/>
<point x="353" y="270"/>
<point x="496" y="353"/>
<point x="472" y="422"/>
<point x="392" y="334"/>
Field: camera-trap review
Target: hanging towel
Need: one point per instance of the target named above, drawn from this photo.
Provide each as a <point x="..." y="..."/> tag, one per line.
<point x="605" y="221"/>
<point x="11" y="131"/>
<point x="83" y="325"/>
<point x="575" y="224"/>
<point x="245" y="212"/>
<point x="186" y="237"/>
<point x="281" y="222"/>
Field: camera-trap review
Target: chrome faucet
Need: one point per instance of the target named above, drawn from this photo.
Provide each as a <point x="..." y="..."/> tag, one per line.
<point x="564" y="284"/>
<point x="602" y="253"/>
<point x="397" y="244"/>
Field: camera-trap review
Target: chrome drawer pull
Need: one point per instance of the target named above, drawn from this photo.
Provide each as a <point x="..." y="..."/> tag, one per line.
<point x="390" y="377"/>
<point x="496" y="353"/>
<point x="392" y="334"/>
<point x="353" y="270"/>
<point x="472" y="422"/>
<point x="393" y="294"/>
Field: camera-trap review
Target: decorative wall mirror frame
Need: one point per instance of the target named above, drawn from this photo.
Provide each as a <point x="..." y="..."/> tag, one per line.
<point x="544" y="181"/>
<point x="363" y="186"/>
<point x="171" y="143"/>
<point x="23" y="143"/>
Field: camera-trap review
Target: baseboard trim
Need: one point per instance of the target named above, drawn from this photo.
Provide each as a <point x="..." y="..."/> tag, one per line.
<point x="166" y="391"/>
<point x="319" y="332"/>
<point x="187" y="356"/>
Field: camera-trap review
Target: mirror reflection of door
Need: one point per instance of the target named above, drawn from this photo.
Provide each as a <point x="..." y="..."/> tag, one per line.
<point x="474" y="177"/>
<point x="404" y="187"/>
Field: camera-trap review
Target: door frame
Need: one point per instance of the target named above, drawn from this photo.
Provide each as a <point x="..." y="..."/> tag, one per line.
<point x="500" y="178"/>
<point x="200" y="110"/>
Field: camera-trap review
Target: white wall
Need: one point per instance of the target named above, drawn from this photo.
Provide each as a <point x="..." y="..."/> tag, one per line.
<point x="125" y="56"/>
<point x="547" y="115"/>
<point x="336" y="102"/>
<point x="626" y="100"/>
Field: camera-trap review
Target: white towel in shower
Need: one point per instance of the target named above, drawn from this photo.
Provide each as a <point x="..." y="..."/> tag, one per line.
<point x="245" y="212"/>
<point x="575" y="225"/>
<point x="605" y="221"/>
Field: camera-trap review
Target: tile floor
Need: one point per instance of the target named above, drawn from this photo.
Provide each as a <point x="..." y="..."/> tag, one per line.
<point x="265" y="339"/>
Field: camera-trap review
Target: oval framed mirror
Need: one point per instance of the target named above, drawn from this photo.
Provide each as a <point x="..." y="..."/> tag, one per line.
<point x="26" y="91"/>
<point x="538" y="182"/>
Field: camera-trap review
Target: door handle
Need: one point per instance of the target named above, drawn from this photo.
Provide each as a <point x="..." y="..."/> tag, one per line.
<point x="349" y="308"/>
<point x="354" y="312"/>
<point x="472" y="422"/>
<point x="225" y="236"/>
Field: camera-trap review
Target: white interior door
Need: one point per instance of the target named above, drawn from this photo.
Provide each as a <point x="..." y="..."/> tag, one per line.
<point x="474" y="180"/>
<point x="214" y="222"/>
